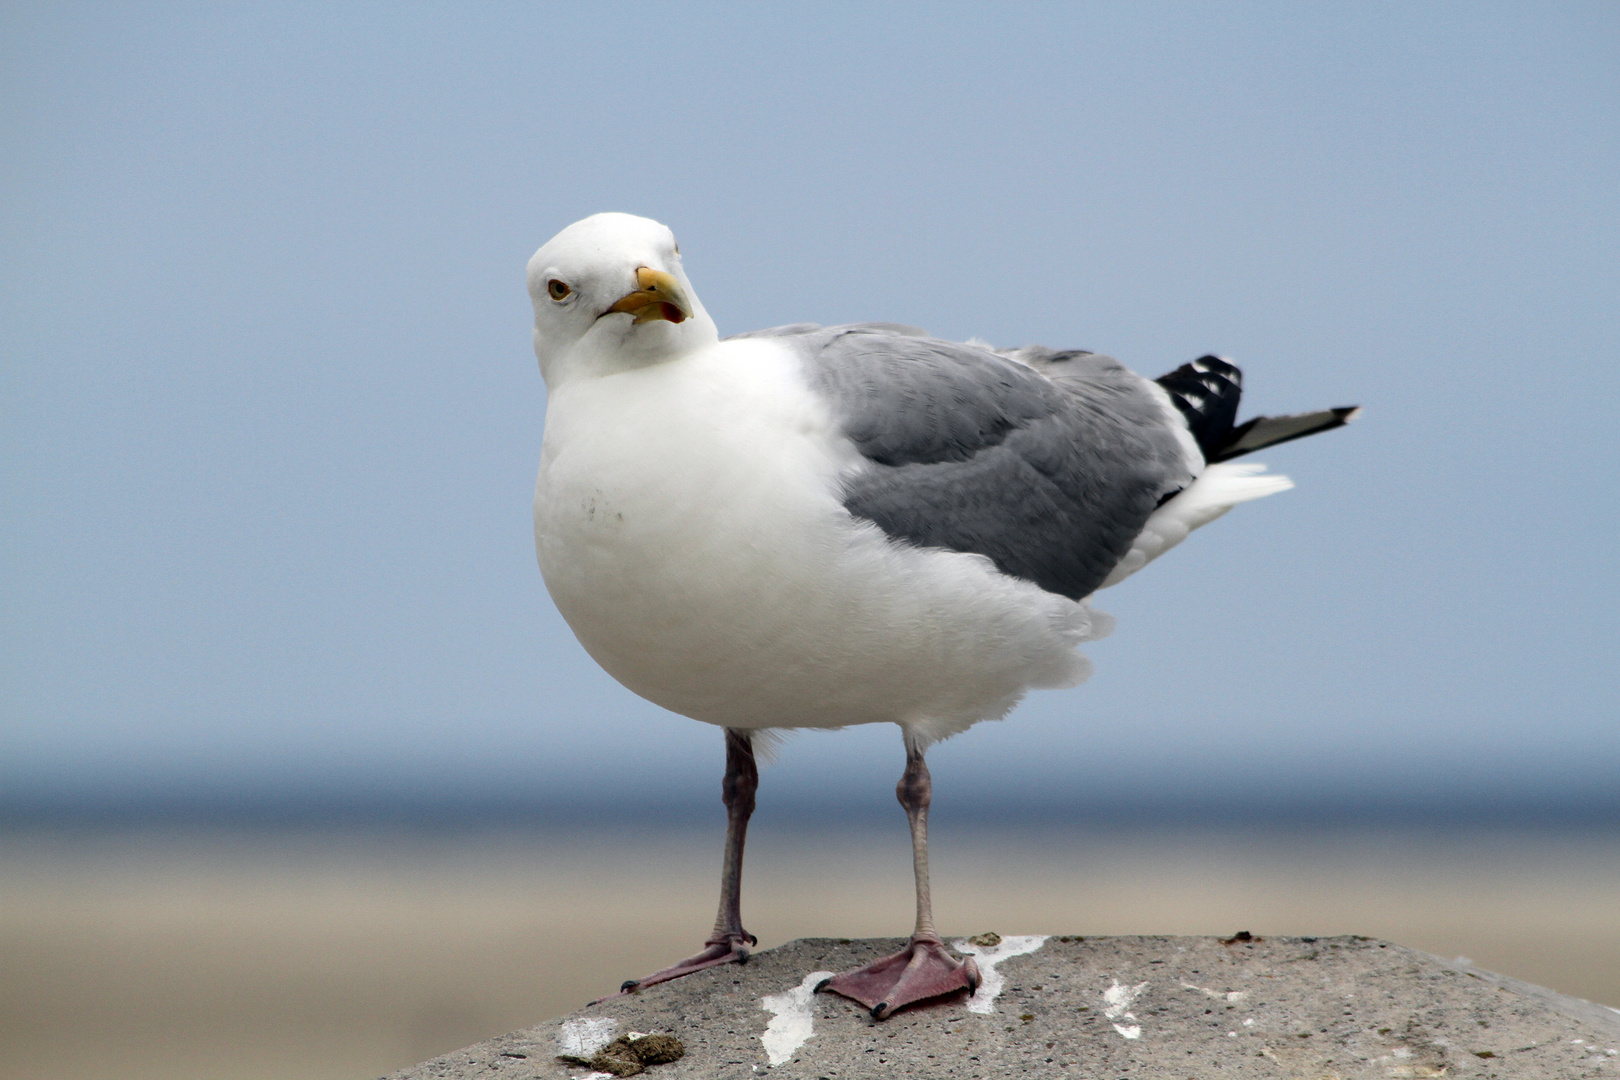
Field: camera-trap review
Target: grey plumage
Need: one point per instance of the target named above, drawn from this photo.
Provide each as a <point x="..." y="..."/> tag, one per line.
<point x="1048" y="464"/>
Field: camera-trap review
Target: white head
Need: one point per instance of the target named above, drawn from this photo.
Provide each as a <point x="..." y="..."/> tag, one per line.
<point x="609" y="294"/>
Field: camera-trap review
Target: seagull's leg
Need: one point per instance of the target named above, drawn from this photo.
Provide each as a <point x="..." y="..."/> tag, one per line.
<point x="923" y="969"/>
<point x="730" y="942"/>
<point x="737" y="792"/>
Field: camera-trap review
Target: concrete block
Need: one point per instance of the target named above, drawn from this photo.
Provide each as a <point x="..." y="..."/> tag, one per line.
<point x="1092" y="1008"/>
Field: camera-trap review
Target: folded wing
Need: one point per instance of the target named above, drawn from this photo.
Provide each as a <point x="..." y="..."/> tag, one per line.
<point x="971" y="451"/>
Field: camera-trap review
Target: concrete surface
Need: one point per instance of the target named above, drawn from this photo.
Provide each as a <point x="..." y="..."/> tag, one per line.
<point x="1105" y="1008"/>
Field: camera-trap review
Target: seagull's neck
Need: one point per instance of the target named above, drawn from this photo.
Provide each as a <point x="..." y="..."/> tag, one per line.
<point x="614" y="346"/>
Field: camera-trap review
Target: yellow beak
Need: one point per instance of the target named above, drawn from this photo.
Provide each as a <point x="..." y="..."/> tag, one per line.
<point x="660" y="297"/>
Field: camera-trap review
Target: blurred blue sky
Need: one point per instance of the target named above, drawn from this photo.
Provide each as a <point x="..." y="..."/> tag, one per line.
<point x="271" y="417"/>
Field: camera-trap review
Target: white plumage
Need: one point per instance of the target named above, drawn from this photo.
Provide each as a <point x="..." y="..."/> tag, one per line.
<point x="689" y="526"/>
<point x="1219" y="487"/>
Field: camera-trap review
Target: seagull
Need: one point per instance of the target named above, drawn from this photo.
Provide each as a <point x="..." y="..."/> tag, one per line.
<point x="814" y="527"/>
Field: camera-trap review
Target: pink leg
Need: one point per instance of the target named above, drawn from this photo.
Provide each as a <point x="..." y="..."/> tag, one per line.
<point x="730" y="942"/>
<point x="923" y="969"/>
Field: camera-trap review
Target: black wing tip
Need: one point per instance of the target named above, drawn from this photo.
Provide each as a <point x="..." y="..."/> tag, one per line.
<point x="1206" y="392"/>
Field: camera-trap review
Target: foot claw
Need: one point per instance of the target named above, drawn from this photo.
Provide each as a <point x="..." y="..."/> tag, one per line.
<point x="878" y="1010"/>
<point x="822" y="985"/>
<point x="629" y="985"/>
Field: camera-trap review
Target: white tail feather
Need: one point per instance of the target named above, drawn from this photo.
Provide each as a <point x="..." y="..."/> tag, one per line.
<point x="1219" y="488"/>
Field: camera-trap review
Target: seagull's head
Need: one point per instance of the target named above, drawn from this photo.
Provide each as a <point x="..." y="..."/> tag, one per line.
<point x="609" y="294"/>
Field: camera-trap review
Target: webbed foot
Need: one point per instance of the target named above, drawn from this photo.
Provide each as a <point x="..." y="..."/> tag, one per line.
<point x="923" y="970"/>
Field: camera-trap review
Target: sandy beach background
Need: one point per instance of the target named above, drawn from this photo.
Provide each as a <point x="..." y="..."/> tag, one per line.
<point x="173" y="953"/>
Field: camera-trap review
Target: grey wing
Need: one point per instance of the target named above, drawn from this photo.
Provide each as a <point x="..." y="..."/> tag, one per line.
<point x="970" y="451"/>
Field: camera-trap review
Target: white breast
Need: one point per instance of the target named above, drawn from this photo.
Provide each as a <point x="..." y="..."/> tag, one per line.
<point x="690" y="531"/>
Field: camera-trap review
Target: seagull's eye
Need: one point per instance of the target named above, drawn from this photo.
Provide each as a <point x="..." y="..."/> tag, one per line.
<point x="559" y="290"/>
